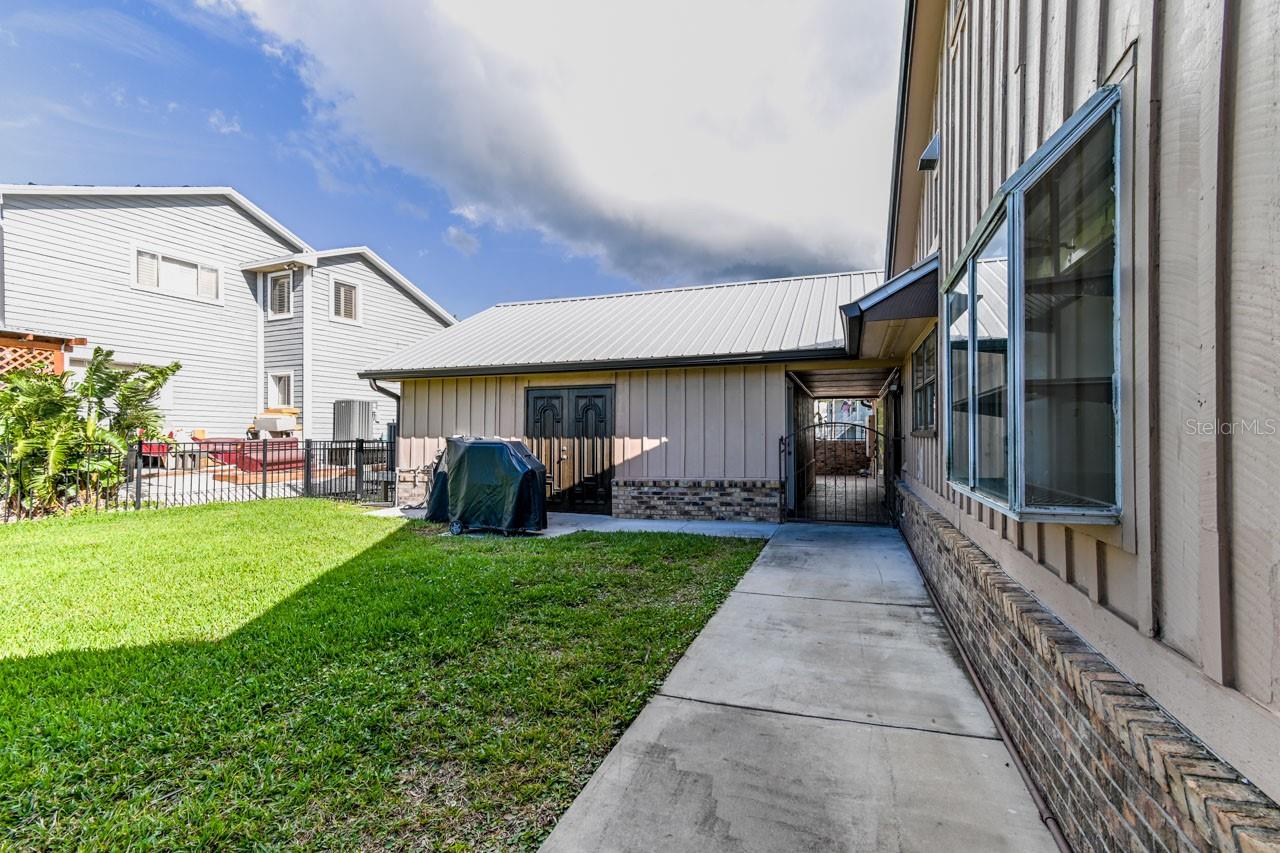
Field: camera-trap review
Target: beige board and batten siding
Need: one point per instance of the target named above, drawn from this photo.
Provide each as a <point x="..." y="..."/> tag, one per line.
<point x="1194" y="562"/>
<point x="1253" y="384"/>
<point x="69" y="263"/>
<point x="387" y="321"/>
<point x="719" y="423"/>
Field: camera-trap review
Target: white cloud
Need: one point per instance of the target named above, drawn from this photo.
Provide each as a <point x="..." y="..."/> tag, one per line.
<point x="19" y="123"/>
<point x="464" y="241"/>
<point x="218" y="121"/>
<point x="671" y="140"/>
<point x="408" y="208"/>
<point x="107" y="28"/>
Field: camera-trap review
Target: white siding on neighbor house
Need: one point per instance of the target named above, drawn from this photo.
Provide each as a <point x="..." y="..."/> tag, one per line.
<point x="69" y="264"/>
<point x="388" y="320"/>
<point x="696" y="423"/>
<point x="282" y="341"/>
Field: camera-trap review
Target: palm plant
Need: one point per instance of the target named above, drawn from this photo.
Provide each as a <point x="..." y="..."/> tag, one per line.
<point x="64" y="443"/>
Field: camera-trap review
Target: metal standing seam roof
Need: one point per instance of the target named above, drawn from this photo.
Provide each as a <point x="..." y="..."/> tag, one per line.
<point x="739" y="322"/>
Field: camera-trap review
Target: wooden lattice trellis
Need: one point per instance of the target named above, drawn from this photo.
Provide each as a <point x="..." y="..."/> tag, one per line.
<point x="24" y="355"/>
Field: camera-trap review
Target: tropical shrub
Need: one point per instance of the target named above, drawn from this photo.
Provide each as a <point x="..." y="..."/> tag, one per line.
<point x="63" y="443"/>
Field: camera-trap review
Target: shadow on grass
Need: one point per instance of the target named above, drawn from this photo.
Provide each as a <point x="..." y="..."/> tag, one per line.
<point x="431" y="691"/>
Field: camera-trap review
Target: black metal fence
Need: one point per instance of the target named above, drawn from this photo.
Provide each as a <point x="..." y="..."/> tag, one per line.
<point x="155" y="474"/>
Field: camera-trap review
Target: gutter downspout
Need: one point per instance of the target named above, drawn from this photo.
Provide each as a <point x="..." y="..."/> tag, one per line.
<point x="387" y="392"/>
<point x="395" y="464"/>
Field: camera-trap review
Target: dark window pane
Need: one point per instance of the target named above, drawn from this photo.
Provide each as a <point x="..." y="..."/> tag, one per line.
<point x="923" y="378"/>
<point x="957" y="308"/>
<point x="991" y="304"/>
<point x="1069" y="333"/>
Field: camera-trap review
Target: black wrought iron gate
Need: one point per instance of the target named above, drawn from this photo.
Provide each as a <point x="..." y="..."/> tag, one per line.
<point x="837" y="472"/>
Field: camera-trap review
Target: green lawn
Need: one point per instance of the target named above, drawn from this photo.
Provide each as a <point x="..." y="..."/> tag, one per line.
<point x="298" y="673"/>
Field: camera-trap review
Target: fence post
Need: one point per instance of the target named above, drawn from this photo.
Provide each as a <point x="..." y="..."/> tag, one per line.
<point x="137" y="476"/>
<point x="306" y="468"/>
<point x="264" y="468"/>
<point x="359" y="460"/>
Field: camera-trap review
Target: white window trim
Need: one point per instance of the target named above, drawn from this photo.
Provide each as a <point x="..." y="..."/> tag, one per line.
<point x="334" y="281"/>
<point x="270" y="277"/>
<point x="161" y="252"/>
<point x="1007" y="206"/>
<point x="272" y="399"/>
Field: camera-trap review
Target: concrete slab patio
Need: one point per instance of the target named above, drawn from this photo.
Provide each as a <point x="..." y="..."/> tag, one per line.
<point x="822" y="708"/>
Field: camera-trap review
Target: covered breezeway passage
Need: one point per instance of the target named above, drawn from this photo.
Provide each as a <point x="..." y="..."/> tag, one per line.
<point x="822" y="708"/>
<point x="835" y="459"/>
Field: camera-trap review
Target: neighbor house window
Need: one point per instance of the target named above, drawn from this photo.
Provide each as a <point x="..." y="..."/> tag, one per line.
<point x="280" y="295"/>
<point x="924" y="384"/>
<point x="1031" y="333"/>
<point x="281" y="389"/>
<point x="344" y="301"/>
<point x="175" y="276"/>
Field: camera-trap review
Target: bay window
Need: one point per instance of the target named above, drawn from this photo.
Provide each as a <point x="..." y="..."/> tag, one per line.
<point x="1030" y="325"/>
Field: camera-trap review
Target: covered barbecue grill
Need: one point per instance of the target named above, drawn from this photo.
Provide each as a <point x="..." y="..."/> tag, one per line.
<point x="488" y="484"/>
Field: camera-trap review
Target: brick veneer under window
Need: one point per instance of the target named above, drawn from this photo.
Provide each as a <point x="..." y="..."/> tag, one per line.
<point x="1118" y="771"/>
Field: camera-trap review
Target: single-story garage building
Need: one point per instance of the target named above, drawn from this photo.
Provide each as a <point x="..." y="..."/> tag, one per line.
<point x="685" y="402"/>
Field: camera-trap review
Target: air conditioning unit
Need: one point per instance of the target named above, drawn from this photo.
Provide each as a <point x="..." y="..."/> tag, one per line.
<point x="354" y="419"/>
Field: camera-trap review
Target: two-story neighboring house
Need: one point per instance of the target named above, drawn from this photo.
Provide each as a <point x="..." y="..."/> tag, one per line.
<point x="201" y="275"/>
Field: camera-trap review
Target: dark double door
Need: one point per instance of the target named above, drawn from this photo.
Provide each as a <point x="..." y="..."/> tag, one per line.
<point x="571" y="431"/>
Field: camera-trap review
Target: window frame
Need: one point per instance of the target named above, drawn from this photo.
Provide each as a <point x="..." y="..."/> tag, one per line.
<point x="357" y="301"/>
<point x="917" y="385"/>
<point x="272" y="278"/>
<point x="273" y="389"/>
<point x="161" y="255"/>
<point x="1008" y="206"/>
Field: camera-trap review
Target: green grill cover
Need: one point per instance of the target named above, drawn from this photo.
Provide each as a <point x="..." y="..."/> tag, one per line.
<point x="490" y="484"/>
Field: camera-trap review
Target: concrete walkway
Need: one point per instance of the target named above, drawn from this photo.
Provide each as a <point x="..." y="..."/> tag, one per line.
<point x="822" y="708"/>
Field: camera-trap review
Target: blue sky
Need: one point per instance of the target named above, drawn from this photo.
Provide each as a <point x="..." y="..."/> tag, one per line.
<point x="485" y="158"/>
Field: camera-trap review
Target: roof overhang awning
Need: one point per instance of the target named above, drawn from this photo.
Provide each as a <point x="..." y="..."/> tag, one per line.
<point x="843" y="383"/>
<point x="281" y="262"/>
<point x="885" y="322"/>
<point x="12" y="336"/>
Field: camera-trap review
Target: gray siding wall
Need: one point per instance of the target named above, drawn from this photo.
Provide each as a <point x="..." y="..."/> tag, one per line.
<point x="68" y="265"/>
<point x="389" y="320"/>
<point x="282" y="342"/>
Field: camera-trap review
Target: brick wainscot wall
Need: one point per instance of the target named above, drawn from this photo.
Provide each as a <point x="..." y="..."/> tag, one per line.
<point x="1118" y="772"/>
<point x="723" y="500"/>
